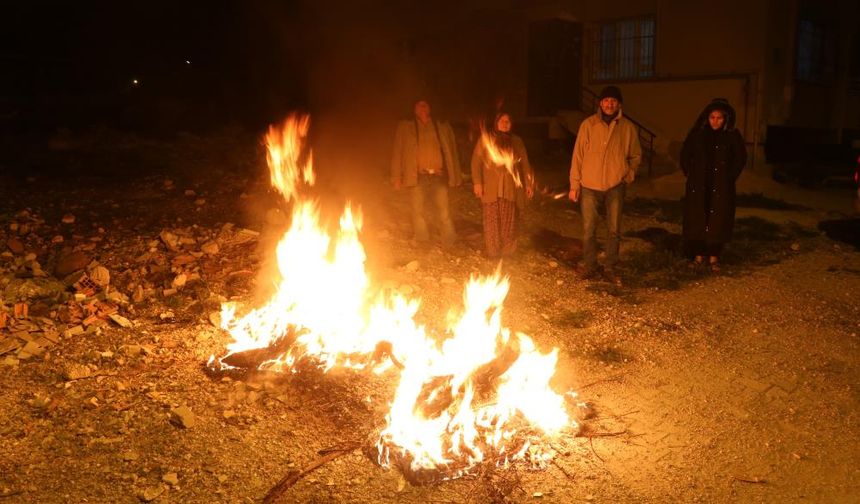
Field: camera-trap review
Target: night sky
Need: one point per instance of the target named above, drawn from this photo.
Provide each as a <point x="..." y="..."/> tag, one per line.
<point x="199" y="64"/>
<point x="72" y="63"/>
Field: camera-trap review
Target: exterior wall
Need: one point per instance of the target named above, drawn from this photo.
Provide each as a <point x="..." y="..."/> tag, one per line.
<point x="669" y="107"/>
<point x="703" y="51"/>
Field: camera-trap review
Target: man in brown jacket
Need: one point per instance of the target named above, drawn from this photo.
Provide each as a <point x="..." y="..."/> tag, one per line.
<point x="425" y="160"/>
<point x="605" y="158"/>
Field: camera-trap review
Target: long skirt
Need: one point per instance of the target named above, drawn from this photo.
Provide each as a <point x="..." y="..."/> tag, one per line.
<point x="500" y="227"/>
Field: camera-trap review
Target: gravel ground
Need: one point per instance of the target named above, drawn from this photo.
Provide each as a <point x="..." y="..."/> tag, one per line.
<point x="738" y="386"/>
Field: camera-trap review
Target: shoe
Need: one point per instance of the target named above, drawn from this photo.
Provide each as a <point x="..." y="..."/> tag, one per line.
<point x="611" y="276"/>
<point x="587" y="273"/>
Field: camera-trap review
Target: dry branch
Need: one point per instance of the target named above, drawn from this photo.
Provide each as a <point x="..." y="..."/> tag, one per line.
<point x="750" y="480"/>
<point x="292" y="477"/>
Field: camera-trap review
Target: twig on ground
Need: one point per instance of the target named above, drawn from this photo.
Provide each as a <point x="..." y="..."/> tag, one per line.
<point x="591" y="444"/>
<point x="756" y="480"/>
<point x="293" y="477"/>
<point x="611" y="378"/>
<point x="603" y="434"/>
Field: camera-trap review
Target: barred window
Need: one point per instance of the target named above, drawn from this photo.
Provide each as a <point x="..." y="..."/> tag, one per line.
<point x="623" y="49"/>
<point x="816" y="52"/>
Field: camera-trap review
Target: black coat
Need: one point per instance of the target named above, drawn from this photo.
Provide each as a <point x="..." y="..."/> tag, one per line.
<point x="712" y="161"/>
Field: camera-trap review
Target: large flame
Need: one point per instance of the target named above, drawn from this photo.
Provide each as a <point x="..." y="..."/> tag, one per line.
<point x="500" y="156"/>
<point x="461" y="396"/>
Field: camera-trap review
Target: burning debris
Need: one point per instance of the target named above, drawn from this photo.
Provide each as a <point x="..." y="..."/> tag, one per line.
<point x="476" y="393"/>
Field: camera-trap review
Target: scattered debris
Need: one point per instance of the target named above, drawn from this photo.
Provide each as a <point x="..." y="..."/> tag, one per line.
<point x="183" y="417"/>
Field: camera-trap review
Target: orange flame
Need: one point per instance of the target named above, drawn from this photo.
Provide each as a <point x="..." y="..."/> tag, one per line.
<point x="500" y="156"/>
<point x="457" y="400"/>
<point x="284" y="146"/>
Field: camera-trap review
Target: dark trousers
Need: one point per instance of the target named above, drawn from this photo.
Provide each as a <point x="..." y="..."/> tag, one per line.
<point x="702" y="248"/>
<point x="613" y="199"/>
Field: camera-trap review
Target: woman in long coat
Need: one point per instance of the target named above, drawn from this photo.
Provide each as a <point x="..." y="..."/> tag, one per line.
<point x="503" y="187"/>
<point x="712" y="159"/>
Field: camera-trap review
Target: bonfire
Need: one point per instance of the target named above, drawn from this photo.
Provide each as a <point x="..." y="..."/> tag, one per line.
<point x="476" y="392"/>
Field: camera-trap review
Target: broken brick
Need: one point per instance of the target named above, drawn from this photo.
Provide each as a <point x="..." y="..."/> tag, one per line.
<point x="21" y="310"/>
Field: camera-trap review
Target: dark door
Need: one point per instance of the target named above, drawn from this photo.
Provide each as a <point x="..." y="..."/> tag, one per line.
<point x="555" y="66"/>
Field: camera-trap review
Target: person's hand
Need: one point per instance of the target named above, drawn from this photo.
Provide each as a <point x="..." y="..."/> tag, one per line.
<point x="573" y="195"/>
<point x="396" y="184"/>
<point x="530" y="191"/>
<point x="478" y="190"/>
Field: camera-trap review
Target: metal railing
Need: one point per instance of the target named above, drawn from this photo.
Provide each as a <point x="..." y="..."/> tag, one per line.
<point x="588" y="103"/>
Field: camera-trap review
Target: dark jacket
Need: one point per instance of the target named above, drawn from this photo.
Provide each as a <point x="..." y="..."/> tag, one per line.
<point x="712" y="161"/>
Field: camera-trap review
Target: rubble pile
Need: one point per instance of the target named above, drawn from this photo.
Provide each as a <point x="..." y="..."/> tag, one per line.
<point x="60" y="280"/>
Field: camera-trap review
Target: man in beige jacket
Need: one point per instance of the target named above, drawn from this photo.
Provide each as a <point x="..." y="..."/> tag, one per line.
<point x="424" y="159"/>
<point x="605" y="158"/>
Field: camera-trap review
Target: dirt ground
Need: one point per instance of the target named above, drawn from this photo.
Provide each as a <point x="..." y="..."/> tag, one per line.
<point x="739" y="386"/>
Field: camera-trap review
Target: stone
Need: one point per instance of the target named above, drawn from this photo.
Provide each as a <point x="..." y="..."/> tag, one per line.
<point x="179" y="281"/>
<point x="100" y="275"/>
<point x="71" y="262"/>
<point x="73" y="331"/>
<point x="210" y="248"/>
<point x="33" y="288"/>
<point x="138" y="294"/>
<point x="68" y="219"/>
<point x="121" y="321"/>
<point x="15" y="245"/>
<point x="183" y="417"/>
<point x="32" y="348"/>
<point x="795" y="247"/>
<point x="412" y="266"/>
<point x="149" y="494"/>
<point x="171" y="478"/>
<point x="169" y="239"/>
<point x="76" y="371"/>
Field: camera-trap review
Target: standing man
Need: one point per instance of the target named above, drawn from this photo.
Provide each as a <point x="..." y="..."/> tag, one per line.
<point x="605" y="159"/>
<point x="424" y="159"/>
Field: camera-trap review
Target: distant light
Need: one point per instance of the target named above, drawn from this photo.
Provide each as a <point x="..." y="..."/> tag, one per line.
<point x="135" y="82"/>
<point x="187" y="62"/>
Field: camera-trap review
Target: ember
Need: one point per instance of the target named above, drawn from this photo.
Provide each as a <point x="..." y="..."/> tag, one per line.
<point x="478" y="393"/>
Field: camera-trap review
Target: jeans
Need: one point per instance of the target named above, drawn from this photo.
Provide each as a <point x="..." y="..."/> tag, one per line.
<point x="613" y="199"/>
<point x="437" y="186"/>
